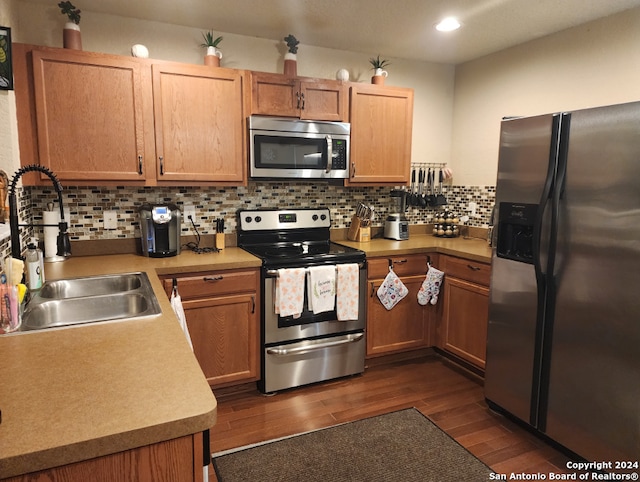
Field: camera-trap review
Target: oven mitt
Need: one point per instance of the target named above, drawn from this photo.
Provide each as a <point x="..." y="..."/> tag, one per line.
<point x="392" y="290"/>
<point x="430" y="288"/>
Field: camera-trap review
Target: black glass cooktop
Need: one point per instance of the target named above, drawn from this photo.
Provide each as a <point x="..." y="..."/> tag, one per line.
<point x="305" y="254"/>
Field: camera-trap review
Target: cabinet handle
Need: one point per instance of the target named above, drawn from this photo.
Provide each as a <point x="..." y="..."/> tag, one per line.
<point x="353" y="169"/>
<point x="161" y="166"/>
<point x="298" y="100"/>
<point x="396" y="261"/>
<point x="253" y="305"/>
<point x="373" y="289"/>
<point x="473" y="268"/>
<point x="302" y="96"/>
<point x="213" y="278"/>
<point x="140" y="165"/>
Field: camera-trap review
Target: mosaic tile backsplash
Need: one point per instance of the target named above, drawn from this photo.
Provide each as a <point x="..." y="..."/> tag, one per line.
<point x="86" y="204"/>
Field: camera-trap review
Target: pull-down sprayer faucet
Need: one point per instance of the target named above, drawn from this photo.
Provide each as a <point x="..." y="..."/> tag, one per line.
<point x="64" y="246"/>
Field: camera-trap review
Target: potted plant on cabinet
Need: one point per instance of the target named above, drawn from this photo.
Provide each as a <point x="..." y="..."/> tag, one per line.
<point x="378" y="73"/>
<point x="213" y="55"/>
<point x="71" y="38"/>
<point x="291" y="58"/>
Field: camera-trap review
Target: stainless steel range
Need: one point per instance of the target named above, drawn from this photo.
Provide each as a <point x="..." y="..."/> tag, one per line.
<point x="298" y="350"/>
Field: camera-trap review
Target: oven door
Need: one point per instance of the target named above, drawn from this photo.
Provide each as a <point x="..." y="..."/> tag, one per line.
<point x="279" y="329"/>
<point x="297" y="155"/>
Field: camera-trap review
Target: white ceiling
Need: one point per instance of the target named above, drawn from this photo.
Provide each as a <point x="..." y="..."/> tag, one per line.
<point x="401" y="28"/>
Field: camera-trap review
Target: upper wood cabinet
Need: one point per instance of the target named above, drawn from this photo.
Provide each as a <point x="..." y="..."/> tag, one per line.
<point x="91" y="122"/>
<point x="381" y="126"/>
<point x="108" y="119"/>
<point x="199" y="123"/>
<point x="312" y="99"/>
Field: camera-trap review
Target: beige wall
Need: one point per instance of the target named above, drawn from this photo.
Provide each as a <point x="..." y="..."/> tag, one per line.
<point x="9" y="152"/>
<point x="587" y="66"/>
<point x="433" y="83"/>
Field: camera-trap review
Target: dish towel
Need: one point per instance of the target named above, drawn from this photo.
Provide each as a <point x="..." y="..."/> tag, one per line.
<point x="178" y="309"/>
<point x="430" y="289"/>
<point x="289" y="297"/>
<point x="321" y="289"/>
<point x="392" y="290"/>
<point x="347" y="301"/>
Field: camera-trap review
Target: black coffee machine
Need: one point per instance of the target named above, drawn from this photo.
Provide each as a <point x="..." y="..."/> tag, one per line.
<point x="160" y="230"/>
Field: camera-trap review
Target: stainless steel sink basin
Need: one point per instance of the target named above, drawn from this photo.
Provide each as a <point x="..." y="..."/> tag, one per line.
<point x="94" y="286"/>
<point x="92" y="299"/>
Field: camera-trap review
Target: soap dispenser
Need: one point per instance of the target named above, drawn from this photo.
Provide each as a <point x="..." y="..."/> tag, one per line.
<point x="34" y="265"/>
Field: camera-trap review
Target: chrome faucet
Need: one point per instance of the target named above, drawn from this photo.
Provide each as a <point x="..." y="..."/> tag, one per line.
<point x="64" y="246"/>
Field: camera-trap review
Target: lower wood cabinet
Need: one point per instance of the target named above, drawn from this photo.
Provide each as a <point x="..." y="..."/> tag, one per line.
<point x="223" y="315"/>
<point x="408" y="325"/>
<point x="462" y="330"/>
<point x="173" y="460"/>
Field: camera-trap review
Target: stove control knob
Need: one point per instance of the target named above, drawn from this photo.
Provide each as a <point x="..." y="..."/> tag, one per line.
<point x="314" y="217"/>
<point x="248" y="219"/>
<point x="258" y="219"/>
<point x="323" y="216"/>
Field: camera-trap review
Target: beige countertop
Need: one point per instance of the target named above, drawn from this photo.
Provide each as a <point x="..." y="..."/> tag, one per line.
<point x="72" y="394"/>
<point x="473" y="248"/>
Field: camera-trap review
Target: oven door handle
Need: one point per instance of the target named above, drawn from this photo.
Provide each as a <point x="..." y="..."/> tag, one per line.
<point x="285" y="350"/>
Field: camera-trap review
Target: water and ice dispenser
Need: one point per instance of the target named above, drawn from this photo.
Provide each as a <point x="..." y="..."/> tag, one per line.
<point x="515" y="231"/>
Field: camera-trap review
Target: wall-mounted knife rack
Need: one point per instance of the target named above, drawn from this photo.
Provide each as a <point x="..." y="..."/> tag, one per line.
<point x="437" y="165"/>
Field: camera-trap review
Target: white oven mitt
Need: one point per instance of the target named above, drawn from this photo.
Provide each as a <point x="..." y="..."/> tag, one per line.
<point x="392" y="290"/>
<point x="430" y="288"/>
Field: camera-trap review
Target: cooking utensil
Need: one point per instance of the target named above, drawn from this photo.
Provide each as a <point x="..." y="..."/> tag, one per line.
<point x="423" y="200"/>
<point x="430" y="192"/>
<point x="411" y="198"/>
<point x="441" y="200"/>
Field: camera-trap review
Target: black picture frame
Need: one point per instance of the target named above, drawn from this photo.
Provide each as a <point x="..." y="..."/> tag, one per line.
<point x="6" y="67"/>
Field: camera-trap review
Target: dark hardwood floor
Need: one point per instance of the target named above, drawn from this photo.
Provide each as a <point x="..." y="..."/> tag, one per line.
<point x="450" y="397"/>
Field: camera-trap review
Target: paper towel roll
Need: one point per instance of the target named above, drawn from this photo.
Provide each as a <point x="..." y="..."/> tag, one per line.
<point x="51" y="235"/>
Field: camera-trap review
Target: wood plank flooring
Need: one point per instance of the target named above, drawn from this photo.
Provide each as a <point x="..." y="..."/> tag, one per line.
<point x="451" y="398"/>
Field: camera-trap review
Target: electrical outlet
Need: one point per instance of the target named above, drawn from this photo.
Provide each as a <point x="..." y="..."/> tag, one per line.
<point x="110" y="219"/>
<point x="188" y="210"/>
<point x="472" y="209"/>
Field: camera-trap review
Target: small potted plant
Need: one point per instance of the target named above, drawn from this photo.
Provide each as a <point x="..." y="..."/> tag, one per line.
<point x="213" y="55"/>
<point x="378" y="73"/>
<point x="290" y="58"/>
<point x="71" y="38"/>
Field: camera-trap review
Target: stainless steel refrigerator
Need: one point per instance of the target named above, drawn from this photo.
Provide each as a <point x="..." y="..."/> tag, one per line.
<point x="563" y="347"/>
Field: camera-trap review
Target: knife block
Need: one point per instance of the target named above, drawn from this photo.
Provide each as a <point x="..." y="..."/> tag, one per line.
<point x="357" y="232"/>
<point x="220" y="240"/>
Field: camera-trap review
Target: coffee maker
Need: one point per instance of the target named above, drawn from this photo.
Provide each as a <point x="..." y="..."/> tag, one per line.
<point x="160" y="230"/>
<point x="396" y="226"/>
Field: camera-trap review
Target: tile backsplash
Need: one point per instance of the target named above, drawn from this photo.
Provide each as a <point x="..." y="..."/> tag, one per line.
<point x="87" y="204"/>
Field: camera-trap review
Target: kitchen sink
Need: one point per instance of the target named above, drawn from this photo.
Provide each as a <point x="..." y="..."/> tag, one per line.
<point x="93" y="286"/>
<point x="77" y="301"/>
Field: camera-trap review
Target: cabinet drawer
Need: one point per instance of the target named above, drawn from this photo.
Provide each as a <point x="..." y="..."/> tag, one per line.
<point x="214" y="283"/>
<point x="409" y="265"/>
<point x="465" y="269"/>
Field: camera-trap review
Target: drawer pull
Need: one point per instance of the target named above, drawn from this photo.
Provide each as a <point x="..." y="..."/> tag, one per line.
<point x="474" y="268"/>
<point x="396" y="261"/>
<point x="213" y="278"/>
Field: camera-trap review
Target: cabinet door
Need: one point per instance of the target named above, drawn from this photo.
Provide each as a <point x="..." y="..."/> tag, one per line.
<point x="323" y="100"/>
<point x="381" y="125"/>
<point x="89" y="112"/>
<point x="274" y="94"/>
<point x="465" y="316"/>
<point x="406" y="326"/>
<point x="199" y="123"/>
<point x="225" y="336"/>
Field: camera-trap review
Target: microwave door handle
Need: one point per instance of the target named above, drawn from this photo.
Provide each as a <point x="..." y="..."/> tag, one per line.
<point x="329" y="154"/>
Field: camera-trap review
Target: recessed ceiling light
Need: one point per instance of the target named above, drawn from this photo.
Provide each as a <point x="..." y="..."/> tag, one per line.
<point x="448" y="24"/>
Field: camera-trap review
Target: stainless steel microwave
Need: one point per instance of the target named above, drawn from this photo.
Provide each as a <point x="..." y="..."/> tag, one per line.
<point x="282" y="148"/>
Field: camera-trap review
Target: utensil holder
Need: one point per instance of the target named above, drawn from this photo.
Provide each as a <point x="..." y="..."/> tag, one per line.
<point x="220" y="240"/>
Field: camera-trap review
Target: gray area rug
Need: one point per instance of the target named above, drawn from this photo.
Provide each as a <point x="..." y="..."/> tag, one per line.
<point x="402" y="446"/>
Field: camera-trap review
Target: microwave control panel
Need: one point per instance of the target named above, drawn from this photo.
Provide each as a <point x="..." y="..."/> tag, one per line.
<point x="339" y="154"/>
